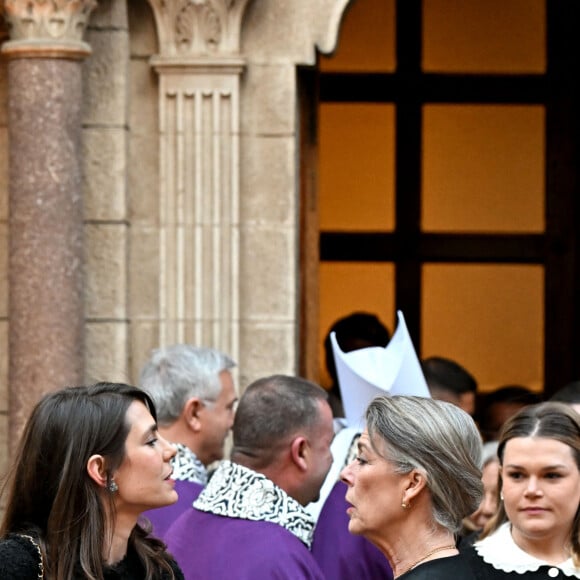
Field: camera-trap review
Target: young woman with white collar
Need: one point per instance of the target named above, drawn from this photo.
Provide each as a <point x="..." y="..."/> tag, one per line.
<point x="535" y="533"/>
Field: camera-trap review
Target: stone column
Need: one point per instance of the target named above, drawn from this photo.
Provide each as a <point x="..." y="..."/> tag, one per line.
<point x="199" y="67"/>
<point x="45" y="53"/>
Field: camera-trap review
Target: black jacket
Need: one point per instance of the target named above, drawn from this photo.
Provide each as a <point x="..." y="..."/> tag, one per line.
<point x="19" y="560"/>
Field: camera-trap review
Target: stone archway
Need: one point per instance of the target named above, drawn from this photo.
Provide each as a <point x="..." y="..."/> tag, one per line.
<point x="229" y="174"/>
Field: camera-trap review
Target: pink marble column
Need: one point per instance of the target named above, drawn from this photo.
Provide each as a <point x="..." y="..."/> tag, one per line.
<point x="46" y="302"/>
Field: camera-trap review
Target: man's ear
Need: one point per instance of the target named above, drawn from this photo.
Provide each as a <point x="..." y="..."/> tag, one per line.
<point x="191" y="413"/>
<point x="96" y="470"/>
<point x="299" y="452"/>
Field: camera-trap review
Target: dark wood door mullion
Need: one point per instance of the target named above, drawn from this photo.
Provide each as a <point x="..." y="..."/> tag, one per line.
<point x="408" y="89"/>
<point x="562" y="314"/>
<point x="434" y="88"/>
<point x="408" y="129"/>
<point x="436" y="248"/>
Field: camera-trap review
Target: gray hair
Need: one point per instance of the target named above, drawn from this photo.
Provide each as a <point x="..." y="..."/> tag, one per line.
<point x="490" y="452"/>
<point x="440" y="440"/>
<point x="176" y="373"/>
<point x="271" y="410"/>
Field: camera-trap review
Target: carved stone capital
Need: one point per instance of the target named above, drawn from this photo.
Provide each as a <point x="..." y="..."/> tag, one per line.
<point x="198" y="28"/>
<point x="47" y="28"/>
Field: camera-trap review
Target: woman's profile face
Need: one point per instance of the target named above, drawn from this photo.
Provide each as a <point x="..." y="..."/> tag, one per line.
<point x="375" y="492"/>
<point x="144" y="476"/>
<point x="541" y="488"/>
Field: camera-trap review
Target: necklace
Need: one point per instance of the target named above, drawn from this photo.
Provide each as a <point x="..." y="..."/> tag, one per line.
<point x="439" y="549"/>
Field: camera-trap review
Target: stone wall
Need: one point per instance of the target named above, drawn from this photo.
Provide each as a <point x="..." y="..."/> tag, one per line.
<point x="105" y="135"/>
<point x="3" y="270"/>
<point x="268" y="182"/>
<point x="143" y="179"/>
<point x="277" y="37"/>
<point x="121" y="187"/>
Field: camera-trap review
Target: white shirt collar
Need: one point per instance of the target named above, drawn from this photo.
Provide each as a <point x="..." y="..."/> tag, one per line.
<point x="500" y="550"/>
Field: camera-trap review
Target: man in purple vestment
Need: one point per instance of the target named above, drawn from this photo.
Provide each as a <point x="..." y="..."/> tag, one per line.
<point x="249" y="523"/>
<point x="195" y="399"/>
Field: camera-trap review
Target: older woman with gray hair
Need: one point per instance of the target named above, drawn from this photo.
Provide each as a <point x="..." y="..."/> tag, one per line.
<point x="417" y="474"/>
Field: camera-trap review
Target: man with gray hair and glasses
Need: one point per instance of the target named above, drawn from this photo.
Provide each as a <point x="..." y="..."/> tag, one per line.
<point x="195" y="399"/>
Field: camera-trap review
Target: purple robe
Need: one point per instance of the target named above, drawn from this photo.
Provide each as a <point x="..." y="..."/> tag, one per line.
<point x="162" y="518"/>
<point x="209" y="546"/>
<point x="340" y="554"/>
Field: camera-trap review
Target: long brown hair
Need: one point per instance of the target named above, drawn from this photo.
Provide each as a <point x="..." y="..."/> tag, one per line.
<point x="50" y="494"/>
<point x="551" y="420"/>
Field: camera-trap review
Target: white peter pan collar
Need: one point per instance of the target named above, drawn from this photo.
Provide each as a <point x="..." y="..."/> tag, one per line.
<point x="504" y="554"/>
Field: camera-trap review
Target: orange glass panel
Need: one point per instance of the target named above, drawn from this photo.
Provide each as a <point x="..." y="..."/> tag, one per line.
<point x="488" y="318"/>
<point x="348" y="287"/>
<point x="483" y="168"/>
<point x="356" y="167"/>
<point x="494" y="36"/>
<point x="366" y="41"/>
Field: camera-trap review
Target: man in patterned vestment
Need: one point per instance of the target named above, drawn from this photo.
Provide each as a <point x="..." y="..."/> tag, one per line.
<point x="249" y="523"/>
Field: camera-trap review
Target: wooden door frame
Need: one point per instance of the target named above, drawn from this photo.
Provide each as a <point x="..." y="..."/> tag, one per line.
<point x="557" y="249"/>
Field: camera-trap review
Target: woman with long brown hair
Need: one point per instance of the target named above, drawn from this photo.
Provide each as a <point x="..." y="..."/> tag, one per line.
<point x="90" y="463"/>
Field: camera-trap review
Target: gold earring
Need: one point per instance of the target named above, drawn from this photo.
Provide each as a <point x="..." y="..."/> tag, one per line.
<point x="405" y="505"/>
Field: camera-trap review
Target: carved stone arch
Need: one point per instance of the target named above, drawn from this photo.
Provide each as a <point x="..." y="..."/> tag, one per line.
<point x="199" y="66"/>
<point x="229" y="185"/>
<point x="327" y="36"/>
